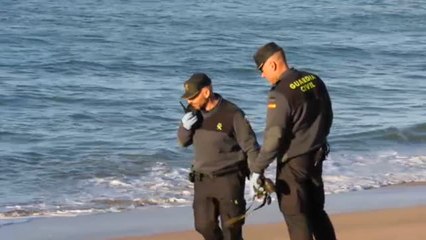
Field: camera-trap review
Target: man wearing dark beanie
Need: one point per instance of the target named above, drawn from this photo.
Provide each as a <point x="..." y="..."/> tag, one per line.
<point x="224" y="144"/>
<point x="299" y="118"/>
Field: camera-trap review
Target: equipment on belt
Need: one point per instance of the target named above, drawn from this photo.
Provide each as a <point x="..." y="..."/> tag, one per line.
<point x="191" y="174"/>
<point x="265" y="191"/>
<point x="240" y="166"/>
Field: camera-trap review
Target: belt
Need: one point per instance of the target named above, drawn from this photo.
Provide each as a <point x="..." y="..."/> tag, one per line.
<point x="318" y="155"/>
<point x="240" y="166"/>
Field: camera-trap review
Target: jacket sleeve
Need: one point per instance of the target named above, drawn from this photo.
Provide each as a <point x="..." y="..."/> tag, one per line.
<point x="245" y="137"/>
<point x="184" y="136"/>
<point x="277" y="120"/>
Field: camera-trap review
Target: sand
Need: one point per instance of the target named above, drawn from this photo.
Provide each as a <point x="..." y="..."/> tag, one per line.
<point x="398" y="223"/>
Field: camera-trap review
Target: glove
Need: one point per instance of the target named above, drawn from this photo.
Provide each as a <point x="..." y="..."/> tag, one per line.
<point x="255" y="185"/>
<point x="188" y="120"/>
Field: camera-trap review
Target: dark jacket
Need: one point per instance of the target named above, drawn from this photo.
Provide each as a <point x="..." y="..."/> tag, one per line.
<point x="223" y="139"/>
<point x="299" y="118"/>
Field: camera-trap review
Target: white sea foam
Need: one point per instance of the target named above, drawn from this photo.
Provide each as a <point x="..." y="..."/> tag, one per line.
<point x="168" y="186"/>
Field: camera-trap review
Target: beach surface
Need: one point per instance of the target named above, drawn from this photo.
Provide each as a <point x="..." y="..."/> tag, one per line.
<point x="393" y="212"/>
<point x="401" y="223"/>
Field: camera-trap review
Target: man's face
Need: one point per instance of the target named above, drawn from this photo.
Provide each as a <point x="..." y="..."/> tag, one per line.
<point x="267" y="70"/>
<point x="199" y="102"/>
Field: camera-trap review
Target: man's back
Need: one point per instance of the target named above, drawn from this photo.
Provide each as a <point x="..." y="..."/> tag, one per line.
<point x="308" y="109"/>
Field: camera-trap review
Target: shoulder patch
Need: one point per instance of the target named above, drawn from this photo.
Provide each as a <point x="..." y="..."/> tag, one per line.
<point x="272" y="103"/>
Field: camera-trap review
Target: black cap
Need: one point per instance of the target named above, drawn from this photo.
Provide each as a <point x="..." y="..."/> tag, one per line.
<point x="194" y="85"/>
<point x="265" y="52"/>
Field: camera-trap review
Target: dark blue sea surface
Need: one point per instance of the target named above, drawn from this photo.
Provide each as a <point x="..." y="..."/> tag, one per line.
<point x="89" y="93"/>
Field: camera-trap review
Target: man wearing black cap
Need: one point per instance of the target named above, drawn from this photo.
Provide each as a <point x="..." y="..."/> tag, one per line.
<point x="299" y="118"/>
<point x="224" y="143"/>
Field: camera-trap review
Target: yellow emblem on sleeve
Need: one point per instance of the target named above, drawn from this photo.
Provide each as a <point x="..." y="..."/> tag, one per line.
<point x="219" y="127"/>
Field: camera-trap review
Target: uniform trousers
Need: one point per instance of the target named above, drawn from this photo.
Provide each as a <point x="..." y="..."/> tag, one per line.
<point x="219" y="197"/>
<point x="300" y="192"/>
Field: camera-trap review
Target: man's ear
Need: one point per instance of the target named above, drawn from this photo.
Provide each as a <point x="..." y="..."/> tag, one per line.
<point x="274" y="65"/>
<point x="206" y="92"/>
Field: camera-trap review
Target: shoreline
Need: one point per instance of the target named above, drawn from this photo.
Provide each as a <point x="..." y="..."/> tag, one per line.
<point x="157" y="221"/>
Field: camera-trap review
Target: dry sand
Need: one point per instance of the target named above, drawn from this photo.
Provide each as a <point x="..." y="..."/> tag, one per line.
<point x="390" y="224"/>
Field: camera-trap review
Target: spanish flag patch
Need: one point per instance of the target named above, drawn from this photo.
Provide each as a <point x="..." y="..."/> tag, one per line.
<point x="272" y="105"/>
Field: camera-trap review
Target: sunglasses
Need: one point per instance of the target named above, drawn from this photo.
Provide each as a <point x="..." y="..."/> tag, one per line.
<point x="260" y="68"/>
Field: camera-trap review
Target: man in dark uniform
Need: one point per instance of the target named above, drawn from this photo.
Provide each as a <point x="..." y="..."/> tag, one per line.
<point x="223" y="143"/>
<point x="299" y="118"/>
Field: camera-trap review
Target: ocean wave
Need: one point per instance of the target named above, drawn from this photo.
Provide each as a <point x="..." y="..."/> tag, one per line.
<point x="21" y="213"/>
<point x="99" y="206"/>
<point x="167" y="186"/>
<point x="412" y="134"/>
<point x="333" y="185"/>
